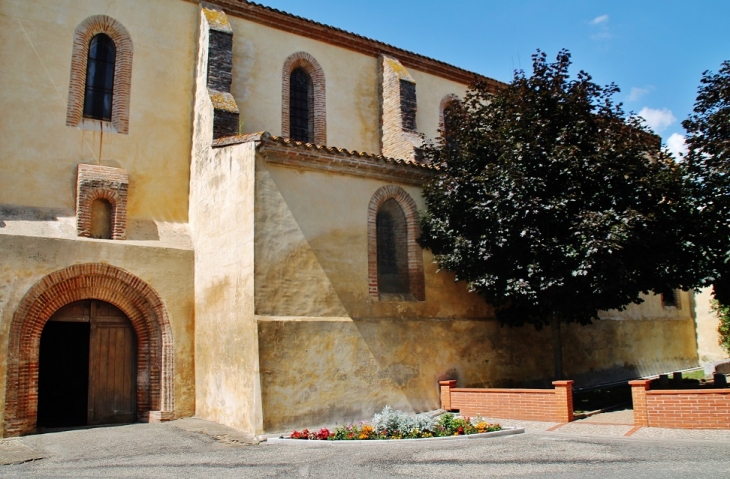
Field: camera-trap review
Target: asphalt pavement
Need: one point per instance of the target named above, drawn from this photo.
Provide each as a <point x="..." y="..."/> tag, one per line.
<point x="196" y="448"/>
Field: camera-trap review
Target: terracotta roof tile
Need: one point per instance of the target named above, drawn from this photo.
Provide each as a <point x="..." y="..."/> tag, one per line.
<point x="266" y="138"/>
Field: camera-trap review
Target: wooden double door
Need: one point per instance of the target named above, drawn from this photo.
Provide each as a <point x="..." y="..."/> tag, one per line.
<point x="88" y="367"/>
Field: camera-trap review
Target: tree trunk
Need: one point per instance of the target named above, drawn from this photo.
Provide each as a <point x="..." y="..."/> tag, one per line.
<point x="557" y="347"/>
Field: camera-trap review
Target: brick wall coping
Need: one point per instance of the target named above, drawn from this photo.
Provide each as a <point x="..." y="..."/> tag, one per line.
<point x="503" y="390"/>
<point x="687" y="391"/>
<point x="287" y="22"/>
<point x="286" y="152"/>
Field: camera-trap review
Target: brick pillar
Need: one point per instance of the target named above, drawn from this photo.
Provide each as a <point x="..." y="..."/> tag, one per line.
<point x="638" y="397"/>
<point x="563" y="400"/>
<point x="445" y="388"/>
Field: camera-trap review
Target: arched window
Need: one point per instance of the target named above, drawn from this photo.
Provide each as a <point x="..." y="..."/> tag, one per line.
<point x="303" y="110"/>
<point x="395" y="260"/>
<point x="101" y="76"/>
<point x="392" y="249"/>
<point x="447" y="121"/>
<point x="301" y="119"/>
<point x="99" y="90"/>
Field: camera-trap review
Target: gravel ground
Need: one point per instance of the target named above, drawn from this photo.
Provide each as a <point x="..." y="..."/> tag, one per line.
<point x="194" y="448"/>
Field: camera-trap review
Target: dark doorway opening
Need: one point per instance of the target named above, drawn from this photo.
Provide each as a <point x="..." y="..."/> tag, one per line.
<point x="87" y="373"/>
<point x="63" y="375"/>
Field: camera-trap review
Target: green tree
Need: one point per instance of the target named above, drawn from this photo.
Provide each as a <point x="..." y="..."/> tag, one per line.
<point x="708" y="165"/>
<point x="547" y="203"/>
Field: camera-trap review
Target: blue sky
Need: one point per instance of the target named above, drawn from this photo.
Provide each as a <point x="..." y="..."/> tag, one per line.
<point x="655" y="51"/>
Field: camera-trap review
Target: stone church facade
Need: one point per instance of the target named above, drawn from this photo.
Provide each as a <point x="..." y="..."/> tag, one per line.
<point x="179" y="234"/>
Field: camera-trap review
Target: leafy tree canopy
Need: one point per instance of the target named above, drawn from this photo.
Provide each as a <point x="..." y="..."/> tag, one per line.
<point x="708" y="165"/>
<point x="548" y="204"/>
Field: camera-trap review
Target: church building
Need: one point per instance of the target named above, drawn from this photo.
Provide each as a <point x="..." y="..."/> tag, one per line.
<point x="212" y="209"/>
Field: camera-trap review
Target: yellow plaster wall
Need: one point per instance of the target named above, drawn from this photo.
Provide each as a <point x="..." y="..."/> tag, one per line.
<point x="319" y="365"/>
<point x="351" y="79"/>
<point x="226" y="346"/>
<point x="322" y="371"/>
<point x="430" y="90"/>
<point x="39" y="153"/>
<point x="327" y="223"/>
<point x="351" y="83"/>
<point x="25" y="260"/>
<point x="222" y="226"/>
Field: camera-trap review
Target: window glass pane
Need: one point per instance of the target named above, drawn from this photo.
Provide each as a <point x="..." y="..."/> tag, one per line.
<point x="109" y="76"/>
<point x="299" y="105"/>
<point x="98" y="97"/>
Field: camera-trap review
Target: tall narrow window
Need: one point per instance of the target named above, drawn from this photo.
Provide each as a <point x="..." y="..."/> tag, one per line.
<point x="392" y="249"/>
<point x="395" y="261"/>
<point x="99" y="91"/>
<point x="100" y="85"/>
<point x="300" y="106"/>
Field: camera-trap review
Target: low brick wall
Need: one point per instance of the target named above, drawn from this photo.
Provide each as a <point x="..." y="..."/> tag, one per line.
<point x="680" y="408"/>
<point x="555" y="405"/>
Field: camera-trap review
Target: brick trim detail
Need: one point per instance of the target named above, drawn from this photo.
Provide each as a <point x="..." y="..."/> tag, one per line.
<point x="122" y="72"/>
<point x="415" y="254"/>
<point x="141" y="304"/>
<point x="309" y="64"/>
<point x="445" y="102"/>
<point x="398" y="106"/>
<point x="95" y="182"/>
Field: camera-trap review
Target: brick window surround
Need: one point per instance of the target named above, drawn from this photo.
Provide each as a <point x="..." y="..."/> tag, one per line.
<point x="86" y="30"/>
<point x="445" y="103"/>
<point x="308" y="63"/>
<point x="415" y="255"/>
<point x="141" y="304"/>
<point x="102" y="182"/>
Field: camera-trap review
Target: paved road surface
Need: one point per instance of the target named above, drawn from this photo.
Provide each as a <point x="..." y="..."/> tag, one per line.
<point x="190" y="449"/>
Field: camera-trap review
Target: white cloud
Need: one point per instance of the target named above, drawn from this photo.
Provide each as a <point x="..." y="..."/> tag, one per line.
<point x="636" y="93"/>
<point x="601" y="29"/>
<point x="676" y="144"/>
<point x="657" y="120"/>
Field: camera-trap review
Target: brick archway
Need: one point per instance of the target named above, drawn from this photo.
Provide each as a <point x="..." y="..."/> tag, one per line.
<point x="141" y="304"/>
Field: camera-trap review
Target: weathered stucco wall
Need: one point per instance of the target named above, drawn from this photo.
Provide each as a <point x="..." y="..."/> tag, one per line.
<point x="317" y="371"/>
<point x="222" y="226"/>
<point x="320" y="220"/>
<point x="226" y="346"/>
<point x="319" y="365"/>
<point x="39" y="153"/>
<point x="25" y="260"/>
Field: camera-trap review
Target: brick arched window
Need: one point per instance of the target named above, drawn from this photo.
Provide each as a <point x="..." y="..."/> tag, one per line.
<point x="395" y="260"/>
<point x="444" y="109"/>
<point x="304" y="114"/>
<point x="101" y="76"/>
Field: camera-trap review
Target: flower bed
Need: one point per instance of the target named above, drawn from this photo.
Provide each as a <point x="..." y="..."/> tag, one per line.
<point x="390" y="424"/>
